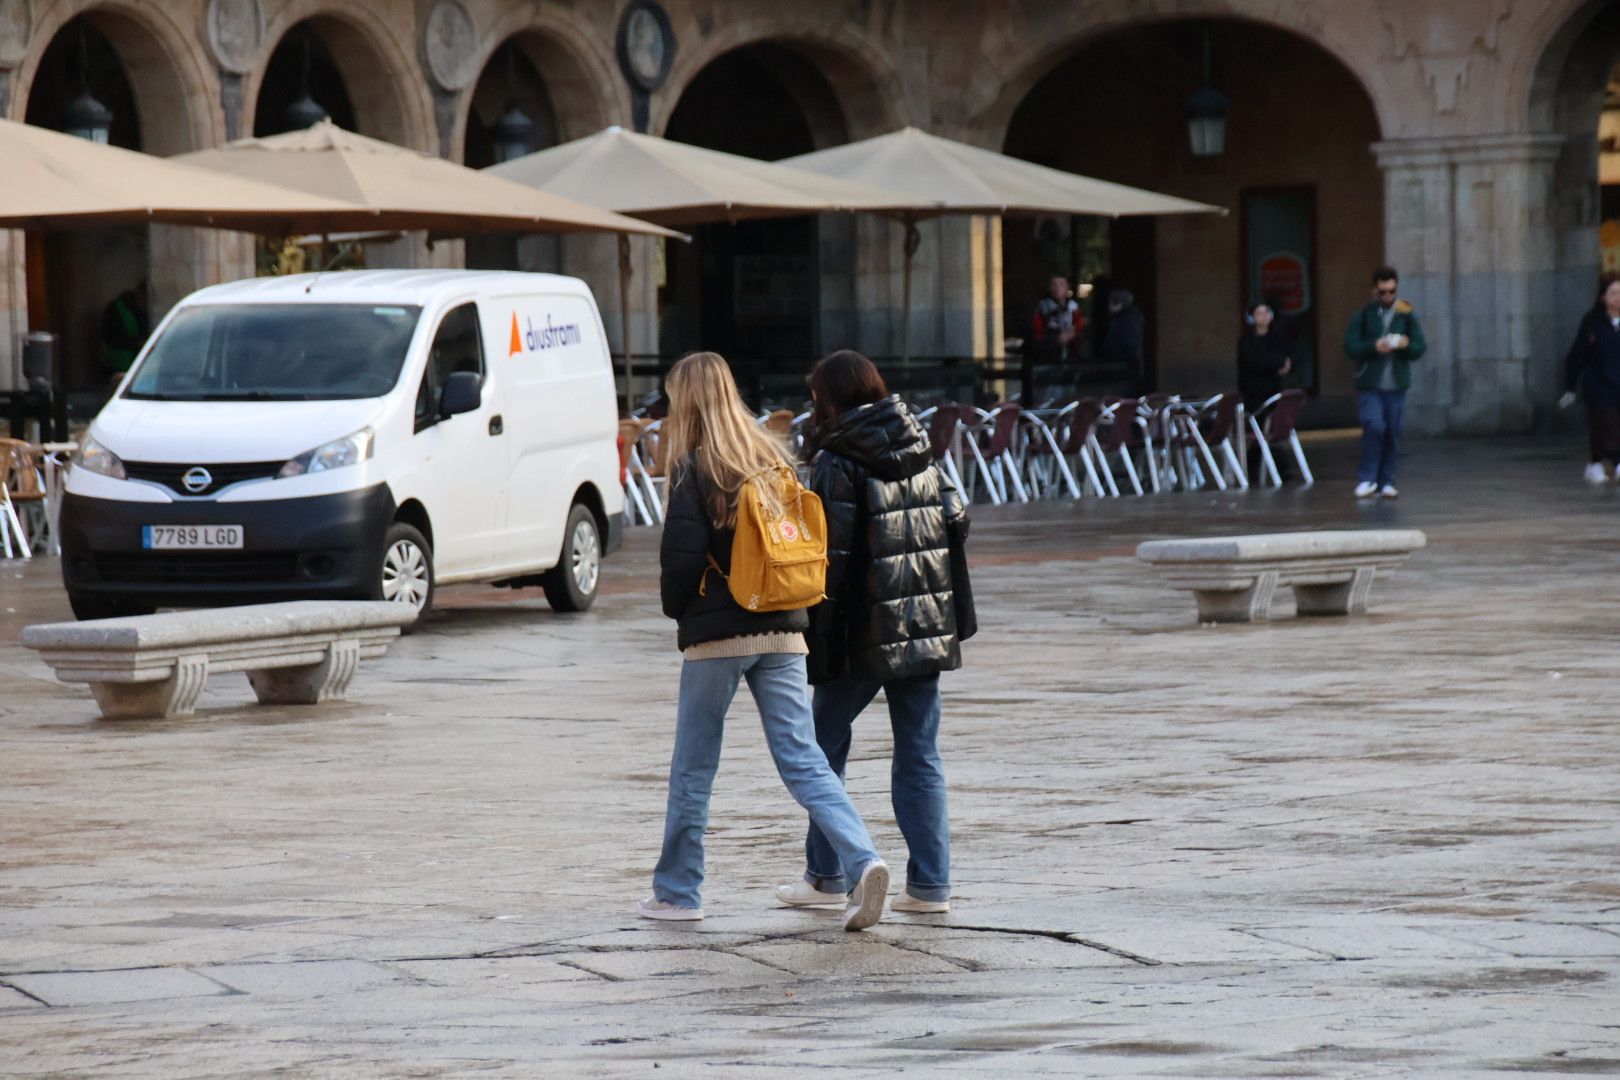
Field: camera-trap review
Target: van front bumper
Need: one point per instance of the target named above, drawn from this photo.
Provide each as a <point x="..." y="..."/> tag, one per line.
<point x="313" y="548"/>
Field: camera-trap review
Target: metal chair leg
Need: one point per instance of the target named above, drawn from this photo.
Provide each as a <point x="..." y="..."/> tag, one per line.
<point x="1299" y="456"/>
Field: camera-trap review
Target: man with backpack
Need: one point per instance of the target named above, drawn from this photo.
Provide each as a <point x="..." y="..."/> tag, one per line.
<point x="897" y="608"/>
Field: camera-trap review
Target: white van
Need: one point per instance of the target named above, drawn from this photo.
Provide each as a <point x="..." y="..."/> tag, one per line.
<point x="368" y="434"/>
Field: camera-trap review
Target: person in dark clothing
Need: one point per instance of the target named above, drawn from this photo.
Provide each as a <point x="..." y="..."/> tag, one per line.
<point x="1265" y="356"/>
<point x="1593" y="366"/>
<point x="1057" y="323"/>
<point x="1123" y="342"/>
<point x="1383" y="339"/>
<point x="719" y="448"/>
<point x="890" y="620"/>
<point x="125" y="327"/>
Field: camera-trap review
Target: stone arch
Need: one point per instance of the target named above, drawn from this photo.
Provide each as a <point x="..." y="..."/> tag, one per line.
<point x="176" y="91"/>
<point x="869" y="91"/>
<point x="994" y="97"/>
<point x="586" y="90"/>
<point x="384" y="81"/>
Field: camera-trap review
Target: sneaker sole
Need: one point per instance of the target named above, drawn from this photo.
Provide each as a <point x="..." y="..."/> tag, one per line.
<point x="672" y="915"/>
<point x="909" y="906"/>
<point x="837" y="901"/>
<point x="870" y="894"/>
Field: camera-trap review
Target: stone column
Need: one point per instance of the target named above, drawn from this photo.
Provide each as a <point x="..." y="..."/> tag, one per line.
<point x="1468" y="222"/>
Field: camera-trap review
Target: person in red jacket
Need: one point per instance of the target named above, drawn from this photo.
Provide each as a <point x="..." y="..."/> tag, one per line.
<point x="1057" y="321"/>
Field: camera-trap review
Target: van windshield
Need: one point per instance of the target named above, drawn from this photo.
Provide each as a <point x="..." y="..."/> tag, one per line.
<point x="276" y="352"/>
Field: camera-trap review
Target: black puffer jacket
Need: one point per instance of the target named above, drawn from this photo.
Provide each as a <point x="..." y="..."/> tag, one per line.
<point x="705" y="611"/>
<point x="889" y="612"/>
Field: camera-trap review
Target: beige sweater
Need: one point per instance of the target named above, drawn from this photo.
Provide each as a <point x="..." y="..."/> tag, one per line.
<point x="791" y="642"/>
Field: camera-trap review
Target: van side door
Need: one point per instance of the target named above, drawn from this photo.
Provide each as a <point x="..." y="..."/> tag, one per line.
<point x="463" y="458"/>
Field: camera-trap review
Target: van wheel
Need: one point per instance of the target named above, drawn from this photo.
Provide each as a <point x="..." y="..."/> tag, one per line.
<point x="571" y="584"/>
<point x="105" y="607"/>
<point x="405" y="571"/>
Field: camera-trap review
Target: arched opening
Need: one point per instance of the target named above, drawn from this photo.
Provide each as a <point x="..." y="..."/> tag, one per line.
<point x="511" y="113"/>
<point x="105" y="75"/>
<point x="754" y="290"/>
<point x="335" y="64"/>
<point x="1577" y="95"/>
<point x="1305" y="195"/>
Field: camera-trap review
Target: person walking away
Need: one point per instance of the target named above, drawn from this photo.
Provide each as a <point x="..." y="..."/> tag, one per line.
<point x="1123" y="342"/>
<point x="1593" y="366"/>
<point x="891" y="618"/>
<point x="124" y="329"/>
<point x="1264" y="357"/>
<point x="1383" y="339"/>
<point x="718" y="448"/>
<point x="1057" y="322"/>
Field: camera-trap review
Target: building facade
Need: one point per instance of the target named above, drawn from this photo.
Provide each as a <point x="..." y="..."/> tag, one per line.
<point x="1455" y="139"/>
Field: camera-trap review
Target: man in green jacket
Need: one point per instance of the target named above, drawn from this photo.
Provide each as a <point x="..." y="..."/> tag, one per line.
<point x="1383" y="339"/>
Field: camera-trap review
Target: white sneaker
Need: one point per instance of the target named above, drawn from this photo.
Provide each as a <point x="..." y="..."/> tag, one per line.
<point x="1617" y="473"/>
<point x="1596" y="473"/>
<point x="913" y="906"/>
<point x="866" y="902"/>
<point x="803" y="894"/>
<point x="654" y="908"/>
<point x="1366" y="490"/>
<point x="1388" y="492"/>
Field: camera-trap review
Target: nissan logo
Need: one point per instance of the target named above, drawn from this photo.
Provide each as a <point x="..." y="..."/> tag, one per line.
<point x="197" y="479"/>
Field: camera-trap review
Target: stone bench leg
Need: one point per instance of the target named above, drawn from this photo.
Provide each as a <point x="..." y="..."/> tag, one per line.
<point x="310" y="684"/>
<point x="1343" y="598"/>
<point x="1238" y="605"/>
<point x="174" y="696"/>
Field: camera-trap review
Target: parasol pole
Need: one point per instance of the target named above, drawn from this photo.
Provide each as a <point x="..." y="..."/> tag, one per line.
<point x="912" y="242"/>
<point x="624" y="317"/>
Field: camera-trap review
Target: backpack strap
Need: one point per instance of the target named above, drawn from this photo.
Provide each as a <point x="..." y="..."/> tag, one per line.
<point x="703" y="582"/>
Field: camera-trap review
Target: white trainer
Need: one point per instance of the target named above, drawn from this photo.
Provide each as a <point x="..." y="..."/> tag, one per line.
<point x="912" y="906"/>
<point x="654" y="908"/>
<point x="1388" y="492"/>
<point x="803" y="894"/>
<point x="1596" y="473"/>
<point x="866" y="902"/>
<point x="1366" y="489"/>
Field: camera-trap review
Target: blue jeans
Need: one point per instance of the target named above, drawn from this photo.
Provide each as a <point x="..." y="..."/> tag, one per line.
<point x="1382" y="413"/>
<point x="777" y="681"/>
<point x="916" y="779"/>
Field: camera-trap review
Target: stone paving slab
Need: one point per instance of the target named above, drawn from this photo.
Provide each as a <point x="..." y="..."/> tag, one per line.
<point x="1378" y="846"/>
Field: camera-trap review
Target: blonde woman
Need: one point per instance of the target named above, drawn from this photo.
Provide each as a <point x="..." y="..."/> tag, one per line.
<point x="715" y="447"/>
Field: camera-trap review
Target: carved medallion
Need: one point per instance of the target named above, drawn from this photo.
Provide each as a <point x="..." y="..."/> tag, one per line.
<point x="646" y="45"/>
<point x="15" y="21"/>
<point x="448" y="44"/>
<point x="235" y="34"/>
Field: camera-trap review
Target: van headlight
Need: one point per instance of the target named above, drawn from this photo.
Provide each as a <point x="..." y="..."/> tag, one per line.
<point x="349" y="450"/>
<point x="93" y="457"/>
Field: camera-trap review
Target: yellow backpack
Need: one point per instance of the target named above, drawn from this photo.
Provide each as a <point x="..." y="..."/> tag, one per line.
<point x="777" y="563"/>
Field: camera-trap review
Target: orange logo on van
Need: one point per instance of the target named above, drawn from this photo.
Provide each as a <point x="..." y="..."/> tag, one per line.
<point x="515" y="345"/>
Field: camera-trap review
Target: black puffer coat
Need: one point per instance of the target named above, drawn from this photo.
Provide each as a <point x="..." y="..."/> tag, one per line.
<point x="705" y="611"/>
<point x="889" y="612"/>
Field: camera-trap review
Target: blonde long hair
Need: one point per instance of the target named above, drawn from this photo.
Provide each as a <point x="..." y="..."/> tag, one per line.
<point x="708" y="422"/>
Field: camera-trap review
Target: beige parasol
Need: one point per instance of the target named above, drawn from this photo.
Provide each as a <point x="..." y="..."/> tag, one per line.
<point x="681" y="185"/>
<point x="49" y="180"/>
<point x="401" y="188"/>
<point x="942" y="176"/>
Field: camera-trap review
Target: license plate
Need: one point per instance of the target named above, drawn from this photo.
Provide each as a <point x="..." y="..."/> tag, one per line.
<point x="190" y="537"/>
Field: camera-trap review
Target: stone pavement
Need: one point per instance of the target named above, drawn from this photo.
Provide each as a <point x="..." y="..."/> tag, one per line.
<point x="1378" y="846"/>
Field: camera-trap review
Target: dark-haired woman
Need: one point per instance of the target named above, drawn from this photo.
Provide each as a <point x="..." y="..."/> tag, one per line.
<point x="1264" y="356"/>
<point x="889" y="621"/>
<point x="1593" y="365"/>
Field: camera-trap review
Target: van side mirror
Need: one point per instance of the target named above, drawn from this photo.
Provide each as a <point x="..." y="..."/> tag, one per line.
<point x="461" y="394"/>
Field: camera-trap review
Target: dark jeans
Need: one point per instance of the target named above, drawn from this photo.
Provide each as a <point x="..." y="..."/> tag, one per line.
<point x="1382" y="413"/>
<point x="916" y="779"/>
<point x="1603" y="428"/>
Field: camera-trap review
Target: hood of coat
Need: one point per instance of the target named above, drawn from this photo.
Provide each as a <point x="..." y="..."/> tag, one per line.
<point x="882" y="436"/>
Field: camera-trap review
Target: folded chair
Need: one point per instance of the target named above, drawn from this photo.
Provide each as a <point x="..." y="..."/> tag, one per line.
<point x="1046" y="468"/>
<point x="1076" y="425"/>
<point x="1273" y="424"/>
<point x="20" y="483"/>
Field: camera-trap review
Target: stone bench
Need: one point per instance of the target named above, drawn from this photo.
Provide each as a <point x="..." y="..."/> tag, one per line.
<point x="297" y="653"/>
<point x="1234" y="578"/>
